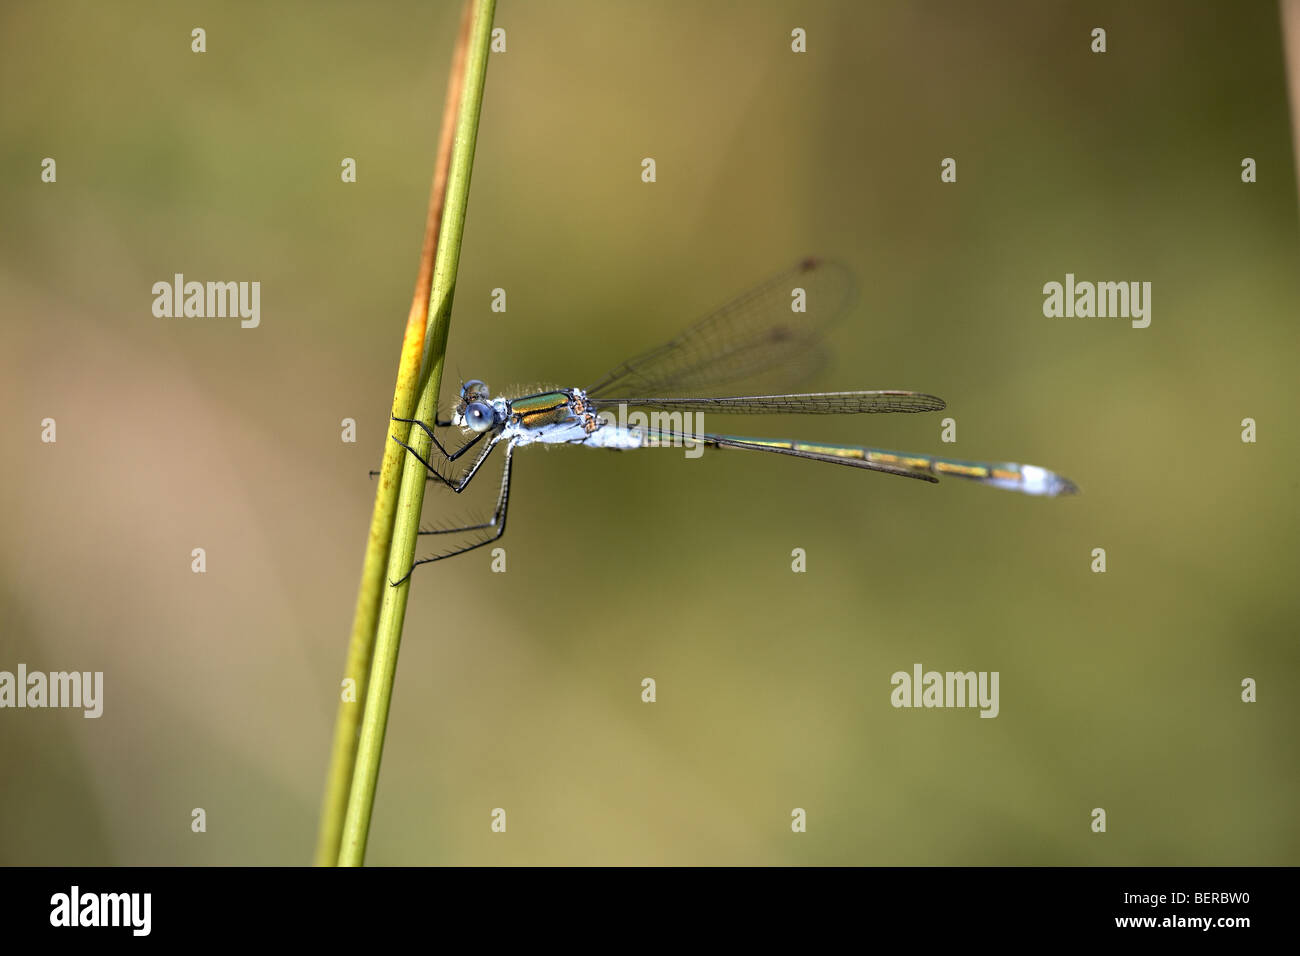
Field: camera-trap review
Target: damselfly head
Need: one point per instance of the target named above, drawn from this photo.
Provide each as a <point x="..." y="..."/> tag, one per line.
<point x="473" y="409"/>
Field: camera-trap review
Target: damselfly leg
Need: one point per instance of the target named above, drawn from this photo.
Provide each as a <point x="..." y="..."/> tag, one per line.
<point x="496" y="524"/>
<point x="433" y="473"/>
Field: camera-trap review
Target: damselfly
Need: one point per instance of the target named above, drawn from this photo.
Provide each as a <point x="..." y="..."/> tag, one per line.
<point x="773" y="331"/>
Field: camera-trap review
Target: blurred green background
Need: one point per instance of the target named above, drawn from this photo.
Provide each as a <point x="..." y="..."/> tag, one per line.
<point x="1118" y="690"/>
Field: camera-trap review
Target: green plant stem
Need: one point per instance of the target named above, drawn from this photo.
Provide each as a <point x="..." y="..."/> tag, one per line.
<point x="361" y="646"/>
<point x="388" y="638"/>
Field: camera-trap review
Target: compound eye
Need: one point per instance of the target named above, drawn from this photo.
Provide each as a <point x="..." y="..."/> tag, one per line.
<point x="479" y="417"/>
<point x="474" y="390"/>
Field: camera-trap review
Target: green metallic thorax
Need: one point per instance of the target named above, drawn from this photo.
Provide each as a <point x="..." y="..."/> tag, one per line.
<point x="548" y="408"/>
